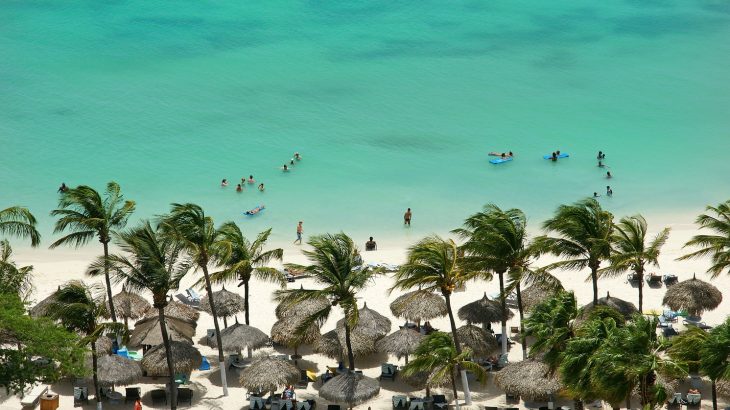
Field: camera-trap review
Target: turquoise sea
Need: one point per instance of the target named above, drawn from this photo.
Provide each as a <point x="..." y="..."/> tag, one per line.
<point x="392" y="104"/>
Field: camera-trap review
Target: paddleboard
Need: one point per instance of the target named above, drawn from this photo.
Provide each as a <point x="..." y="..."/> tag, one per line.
<point x="498" y="161"/>
<point x="562" y="155"/>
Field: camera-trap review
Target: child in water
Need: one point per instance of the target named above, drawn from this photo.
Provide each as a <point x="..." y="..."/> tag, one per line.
<point x="239" y="188"/>
<point x="261" y="187"/>
<point x="224" y="182"/>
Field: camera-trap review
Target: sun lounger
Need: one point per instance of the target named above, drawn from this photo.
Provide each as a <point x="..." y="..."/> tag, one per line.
<point x="204" y="364"/>
<point x="306" y="405"/>
<point x="400" y="402"/>
<point x="677" y="399"/>
<point x="132" y="394"/>
<point x="491" y="408"/>
<point x="303" y="379"/>
<point x="235" y="361"/>
<point x="334" y="407"/>
<point x="193" y="296"/>
<point x="439" y="401"/>
<point x="669" y="331"/>
<point x="632" y="278"/>
<point x="256" y="403"/>
<point x="31" y="398"/>
<point x="502" y="362"/>
<point x="185" y="395"/>
<point x="159" y="396"/>
<point x="694" y="398"/>
<point x="417" y="404"/>
<point x="81" y="395"/>
<point x="388" y="371"/>
<point x="670" y="279"/>
<point x="654" y="279"/>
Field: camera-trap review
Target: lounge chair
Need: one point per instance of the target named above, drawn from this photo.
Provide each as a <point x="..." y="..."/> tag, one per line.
<point x="306" y="405"/>
<point x="632" y="278"/>
<point x="286" y="404"/>
<point x="159" y="396"/>
<point x="400" y="402"/>
<point x="303" y="379"/>
<point x="193" y="296"/>
<point x="334" y="407"/>
<point x="491" y="408"/>
<point x="677" y="399"/>
<point x="132" y="394"/>
<point x="184" y="395"/>
<point x="256" y="403"/>
<point x="653" y="280"/>
<point x="502" y="361"/>
<point x="32" y="398"/>
<point x="669" y="331"/>
<point x="209" y="336"/>
<point x="81" y="395"/>
<point x="417" y="404"/>
<point x="694" y="398"/>
<point x="439" y="401"/>
<point x="204" y="364"/>
<point x="387" y="371"/>
<point x="511" y="408"/>
<point x="236" y="362"/>
<point x="670" y="280"/>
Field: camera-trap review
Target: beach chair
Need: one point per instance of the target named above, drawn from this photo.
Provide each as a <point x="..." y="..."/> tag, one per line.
<point x="184" y="395"/>
<point x="632" y="278"/>
<point x="303" y="379"/>
<point x="387" y="371"/>
<point x="511" y="408"/>
<point x="31" y="398"/>
<point x="694" y="398"/>
<point x="491" y="408"/>
<point x="193" y="296"/>
<point x="502" y="361"/>
<point x="204" y="364"/>
<point x="677" y="399"/>
<point x="439" y="401"/>
<point x="256" y="403"/>
<point x="669" y="331"/>
<point x="306" y="405"/>
<point x="81" y="395"/>
<point x="670" y="280"/>
<point x="334" y="407"/>
<point x="653" y="280"/>
<point x="417" y="404"/>
<point x="132" y="394"/>
<point x="159" y="396"/>
<point x="400" y="402"/>
<point x="209" y="336"/>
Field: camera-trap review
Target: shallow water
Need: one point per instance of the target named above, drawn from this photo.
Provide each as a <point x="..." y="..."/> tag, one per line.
<point x="393" y="104"/>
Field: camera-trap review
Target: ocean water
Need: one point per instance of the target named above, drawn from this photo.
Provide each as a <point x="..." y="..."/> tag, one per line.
<point x="392" y="104"/>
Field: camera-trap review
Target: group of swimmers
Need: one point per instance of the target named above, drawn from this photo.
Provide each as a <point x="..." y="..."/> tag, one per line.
<point x="600" y="157"/>
<point x="239" y="187"/>
<point x="286" y="167"/>
<point x="555" y="155"/>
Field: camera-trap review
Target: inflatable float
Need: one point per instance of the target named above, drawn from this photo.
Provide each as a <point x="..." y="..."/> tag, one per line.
<point x="497" y="161"/>
<point x="550" y="156"/>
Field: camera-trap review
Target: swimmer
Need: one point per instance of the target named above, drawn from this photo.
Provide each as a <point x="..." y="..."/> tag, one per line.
<point x="239" y="188"/>
<point x="250" y="179"/>
<point x="600" y="155"/>
<point x="511" y="154"/>
<point x="63" y="188"/>
<point x="554" y="156"/>
<point x="291" y="161"/>
<point x="504" y="155"/>
<point x="608" y="174"/>
<point x="224" y="182"/>
<point x="595" y="195"/>
<point x="609" y="191"/>
<point x="285" y="168"/>
<point x="261" y="187"/>
<point x="243" y="180"/>
<point x="407" y="217"/>
<point x="297" y="156"/>
<point x="600" y="164"/>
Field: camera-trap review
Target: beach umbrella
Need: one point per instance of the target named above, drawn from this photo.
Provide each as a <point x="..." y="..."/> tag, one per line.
<point x="227" y="304"/>
<point x="349" y="387"/>
<point x="723" y="387"/>
<point x="103" y="345"/>
<point x="284" y="332"/>
<point x="693" y="295"/>
<point x="535" y="294"/>
<point x="329" y="345"/>
<point x="177" y="310"/>
<point x="147" y="331"/>
<point x="185" y="358"/>
<point x="483" y="311"/>
<point x="301" y="309"/>
<point x="129" y="305"/>
<point x="268" y="374"/>
<point x="240" y="336"/>
<point x="117" y="370"/>
<point x="670" y="386"/>
<point x="418" y="305"/>
<point x="624" y="307"/>
<point x="483" y="344"/>
<point x="40" y="308"/>
<point x="400" y="343"/>
<point x="370" y="323"/>
<point x="529" y="379"/>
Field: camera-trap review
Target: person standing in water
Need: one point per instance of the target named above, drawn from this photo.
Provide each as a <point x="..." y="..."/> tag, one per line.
<point x="63" y="188"/>
<point x="609" y="191"/>
<point x="250" y="179"/>
<point x="300" y="231"/>
<point x="224" y="182"/>
<point x="608" y="174"/>
<point x="407" y="217"/>
<point x="239" y="188"/>
<point x="261" y="187"/>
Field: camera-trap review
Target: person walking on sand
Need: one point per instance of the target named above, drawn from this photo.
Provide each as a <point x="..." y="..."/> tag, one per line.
<point x="300" y="231"/>
<point x="138" y="404"/>
<point x="407" y="217"/>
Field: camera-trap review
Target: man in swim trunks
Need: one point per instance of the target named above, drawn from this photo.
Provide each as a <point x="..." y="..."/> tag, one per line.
<point x="371" y="245"/>
<point x="261" y="187"/>
<point x="300" y="231"/>
<point x="407" y="217"/>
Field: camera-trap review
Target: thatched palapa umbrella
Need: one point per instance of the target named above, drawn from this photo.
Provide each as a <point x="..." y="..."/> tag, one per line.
<point x="240" y="336"/>
<point x="129" y="305"/>
<point x="185" y="358"/>
<point x="268" y="374"/>
<point x="329" y="345"/>
<point x="535" y="294"/>
<point x="530" y="379"/>
<point x="400" y="343"/>
<point x="723" y="387"/>
<point x="624" y="307"/>
<point x="370" y="323"/>
<point x="177" y="310"/>
<point x="483" y="311"/>
<point x="483" y="344"/>
<point x="147" y="331"/>
<point x="227" y="304"/>
<point x="693" y="295"/>
<point x="301" y="309"/>
<point x="351" y="388"/>
<point x="284" y="332"/>
<point x="40" y="308"/>
<point x="419" y="305"/>
<point x="103" y="345"/>
<point x="117" y="370"/>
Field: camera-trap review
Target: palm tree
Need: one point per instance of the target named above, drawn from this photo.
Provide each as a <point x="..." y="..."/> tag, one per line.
<point x="497" y="242"/>
<point x="583" y="238"/>
<point x="715" y="357"/>
<point x="632" y="252"/>
<point x="243" y="260"/>
<point x="13" y="279"/>
<point x="18" y="221"/>
<point x="80" y="307"/>
<point x="434" y="264"/>
<point x="437" y="357"/>
<point x="153" y="263"/>
<point x="336" y="264"/>
<point x="85" y="214"/>
<point x="551" y="325"/>
<point x="717" y="246"/>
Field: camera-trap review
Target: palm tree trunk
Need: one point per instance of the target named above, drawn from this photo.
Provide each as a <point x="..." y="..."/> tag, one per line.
<point x="168" y="356"/>
<point x="348" y="344"/>
<point x="225" y="322"/>
<point x="453" y="384"/>
<point x="457" y="345"/>
<point x="594" y="279"/>
<point x="221" y="357"/>
<point x="95" y="375"/>
<point x="523" y="339"/>
<point x="640" y="274"/>
<point x="245" y="301"/>
<point x="112" y="311"/>
<point x="503" y="299"/>
<point x="714" y="396"/>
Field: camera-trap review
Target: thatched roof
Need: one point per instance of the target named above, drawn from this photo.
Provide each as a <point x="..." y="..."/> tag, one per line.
<point x="535" y="294"/>
<point x="693" y="295"/>
<point x="239" y="337"/>
<point x="483" y="310"/>
<point x="227" y="303"/>
<point x="418" y="305"/>
<point x="350" y="388"/>
<point x="370" y="323"/>
<point x="147" y="331"/>
<point x="529" y="379"/>
<point x="302" y="309"/>
<point x="268" y="374"/>
<point x="284" y="332"/>
<point x="482" y="343"/>
<point x="670" y="386"/>
<point x="185" y="358"/>
<point x="177" y="310"/>
<point x="40" y="308"/>
<point x="622" y="306"/>
<point x="103" y="345"/>
<point x="329" y="345"/>
<point x="117" y="370"/>
<point x="129" y="305"/>
<point x="723" y="388"/>
<point x="401" y="342"/>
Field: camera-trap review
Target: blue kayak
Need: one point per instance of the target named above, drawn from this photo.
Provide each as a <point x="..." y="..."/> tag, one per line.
<point x="562" y="155"/>
<point x="498" y="161"/>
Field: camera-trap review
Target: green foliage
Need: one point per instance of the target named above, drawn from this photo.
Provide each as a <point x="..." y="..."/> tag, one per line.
<point x="18" y="221"/>
<point x="715" y="353"/>
<point x="687" y="347"/>
<point x="551" y="324"/>
<point x="716" y="246"/>
<point x="13" y="279"/>
<point x="24" y="339"/>
<point x="605" y="312"/>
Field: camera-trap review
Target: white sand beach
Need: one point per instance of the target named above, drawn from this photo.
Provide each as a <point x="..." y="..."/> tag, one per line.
<point x="59" y="266"/>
